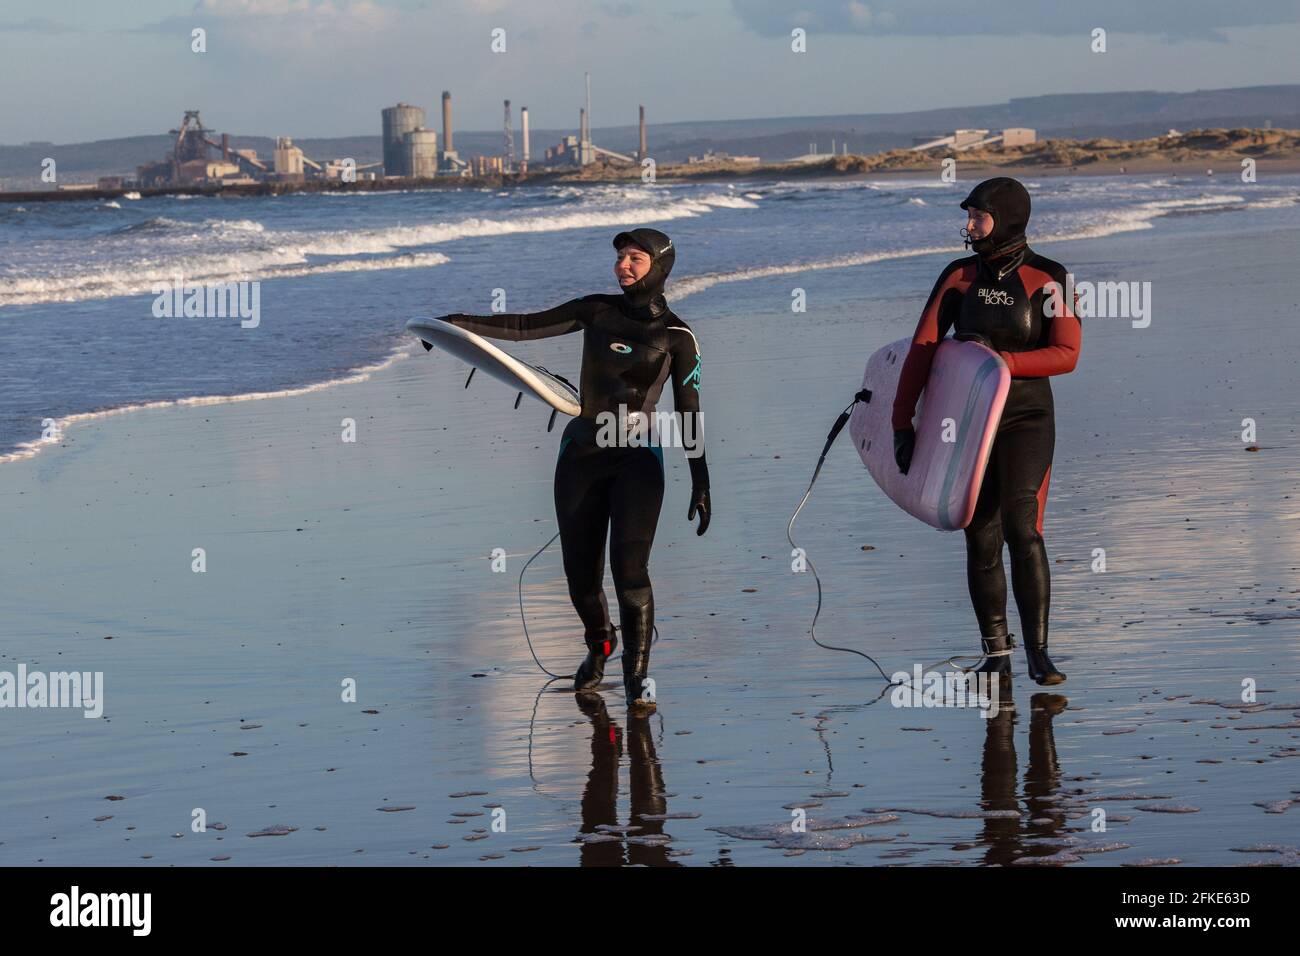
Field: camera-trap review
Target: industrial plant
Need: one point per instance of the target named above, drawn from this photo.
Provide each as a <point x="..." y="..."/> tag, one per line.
<point x="411" y="150"/>
<point x="198" y="159"/>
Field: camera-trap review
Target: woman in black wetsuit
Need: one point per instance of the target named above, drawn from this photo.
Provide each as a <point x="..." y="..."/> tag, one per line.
<point x="1003" y="296"/>
<point x="632" y="345"/>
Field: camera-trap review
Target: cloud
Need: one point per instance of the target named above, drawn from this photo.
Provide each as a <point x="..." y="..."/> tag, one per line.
<point x="1172" y="19"/>
<point x="279" y="28"/>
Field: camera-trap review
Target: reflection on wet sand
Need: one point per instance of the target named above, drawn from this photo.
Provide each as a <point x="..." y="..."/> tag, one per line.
<point x="606" y="842"/>
<point x="1008" y="838"/>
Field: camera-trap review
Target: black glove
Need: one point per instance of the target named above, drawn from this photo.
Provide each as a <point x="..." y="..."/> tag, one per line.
<point x="904" y="445"/>
<point x="700" y="505"/>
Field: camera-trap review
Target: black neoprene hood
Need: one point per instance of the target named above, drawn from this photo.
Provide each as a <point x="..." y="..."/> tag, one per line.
<point x="662" y="255"/>
<point x="1007" y="201"/>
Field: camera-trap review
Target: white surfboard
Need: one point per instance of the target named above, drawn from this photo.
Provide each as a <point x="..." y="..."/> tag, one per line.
<point x="500" y="364"/>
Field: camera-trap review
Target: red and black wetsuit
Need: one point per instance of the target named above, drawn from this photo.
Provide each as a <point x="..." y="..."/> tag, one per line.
<point x="1009" y="301"/>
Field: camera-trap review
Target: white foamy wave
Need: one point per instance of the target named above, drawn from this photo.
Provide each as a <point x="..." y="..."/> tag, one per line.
<point x="394" y="237"/>
<point x="33" y="448"/>
<point x="276" y="252"/>
<point x="111" y="204"/>
<point x="1137" y="218"/>
<point x="109" y="284"/>
<point x="174" y="229"/>
<point x="1277" y="202"/>
<point x="131" y="195"/>
<point x="727" y="201"/>
<point x="693" y="284"/>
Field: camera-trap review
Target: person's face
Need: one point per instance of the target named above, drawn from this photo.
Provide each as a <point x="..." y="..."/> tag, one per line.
<point x="978" y="223"/>
<point x="630" y="264"/>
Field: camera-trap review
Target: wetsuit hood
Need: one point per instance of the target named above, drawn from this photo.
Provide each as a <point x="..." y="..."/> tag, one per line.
<point x="645" y="290"/>
<point x="1007" y="201"/>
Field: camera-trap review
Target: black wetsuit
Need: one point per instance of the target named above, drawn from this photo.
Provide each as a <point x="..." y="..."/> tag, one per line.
<point x="1001" y="299"/>
<point x="631" y="351"/>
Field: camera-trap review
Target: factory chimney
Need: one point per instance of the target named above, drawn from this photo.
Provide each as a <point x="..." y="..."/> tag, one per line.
<point x="523" y="122"/>
<point x="641" y="152"/>
<point x="446" y="121"/>
<point x="510" y="142"/>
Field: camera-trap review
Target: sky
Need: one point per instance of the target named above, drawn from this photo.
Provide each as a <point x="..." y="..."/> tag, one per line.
<point x="78" y="70"/>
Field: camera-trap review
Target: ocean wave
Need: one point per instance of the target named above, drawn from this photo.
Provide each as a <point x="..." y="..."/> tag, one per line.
<point x="109" y="283"/>
<point x="162" y="225"/>
<point x="1141" y="216"/>
<point x="280" y="254"/>
<point x="693" y="284"/>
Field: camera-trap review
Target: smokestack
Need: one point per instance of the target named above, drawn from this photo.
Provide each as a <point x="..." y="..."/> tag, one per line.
<point x="641" y="153"/>
<point x="510" y="141"/>
<point x="523" y="122"/>
<point x="225" y="147"/>
<point x="588" y="112"/>
<point x="582" y="126"/>
<point x="446" y="121"/>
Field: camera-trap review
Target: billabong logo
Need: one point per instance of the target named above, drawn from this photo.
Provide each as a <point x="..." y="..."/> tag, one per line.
<point x="996" y="297"/>
<point x="620" y="348"/>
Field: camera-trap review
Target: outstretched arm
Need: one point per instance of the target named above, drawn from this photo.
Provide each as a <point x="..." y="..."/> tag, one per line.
<point x="523" y="326"/>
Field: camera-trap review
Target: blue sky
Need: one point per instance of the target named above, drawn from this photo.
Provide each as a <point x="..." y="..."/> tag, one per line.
<point x="74" y="70"/>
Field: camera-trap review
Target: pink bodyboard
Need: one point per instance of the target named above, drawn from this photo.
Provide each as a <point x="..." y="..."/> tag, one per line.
<point x="967" y="387"/>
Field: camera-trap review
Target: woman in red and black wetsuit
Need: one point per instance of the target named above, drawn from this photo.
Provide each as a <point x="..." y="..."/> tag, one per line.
<point x="1011" y="299"/>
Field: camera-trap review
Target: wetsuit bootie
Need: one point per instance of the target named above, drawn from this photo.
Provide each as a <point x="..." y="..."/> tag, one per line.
<point x="997" y="654"/>
<point x="592" y="670"/>
<point x="636" y="665"/>
<point x="1041" y="669"/>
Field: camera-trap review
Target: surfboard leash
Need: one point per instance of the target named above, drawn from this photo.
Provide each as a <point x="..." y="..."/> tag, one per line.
<point x="862" y="396"/>
<point x="523" y="617"/>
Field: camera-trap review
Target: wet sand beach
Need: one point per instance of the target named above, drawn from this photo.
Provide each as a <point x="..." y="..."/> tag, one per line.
<point x="370" y="561"/>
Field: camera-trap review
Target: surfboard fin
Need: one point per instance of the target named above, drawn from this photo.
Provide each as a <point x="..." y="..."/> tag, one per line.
<point x="551" y="424"/>
<point x="471" y="376"/>
<point x="519" y="398"/>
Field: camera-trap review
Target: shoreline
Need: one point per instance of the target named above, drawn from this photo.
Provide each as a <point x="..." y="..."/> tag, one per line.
<point x="680" y="289"/>
<point x="30" y="449"/>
